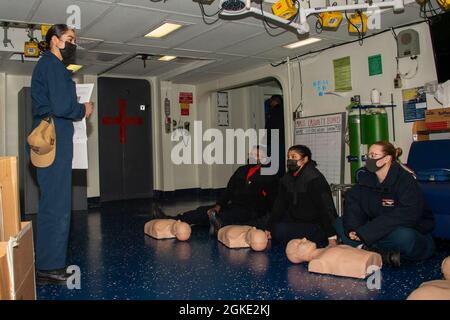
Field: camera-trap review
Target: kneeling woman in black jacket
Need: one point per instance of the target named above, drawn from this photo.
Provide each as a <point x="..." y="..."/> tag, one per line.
<point x="304" y="206"/>
<point x="385" y="210"/>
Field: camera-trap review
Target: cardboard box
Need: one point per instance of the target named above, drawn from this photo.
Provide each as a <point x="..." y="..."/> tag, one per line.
<point x="420" y="131"/>
<point x="437" y="119"/>
<point x="421" y="137"/>
<point x="440" y="135"/>
<point x="17" y="280"/>
<point x="9" y="198"/>
<point x="4" y="273"/>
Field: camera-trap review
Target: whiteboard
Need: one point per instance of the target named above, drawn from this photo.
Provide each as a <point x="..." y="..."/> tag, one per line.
<point x="324" y="135"/>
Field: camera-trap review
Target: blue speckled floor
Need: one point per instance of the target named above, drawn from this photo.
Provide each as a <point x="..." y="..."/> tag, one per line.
<point x="118" y="261"/>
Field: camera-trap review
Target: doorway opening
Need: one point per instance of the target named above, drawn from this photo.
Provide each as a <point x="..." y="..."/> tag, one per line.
<point x="264" y="109"/>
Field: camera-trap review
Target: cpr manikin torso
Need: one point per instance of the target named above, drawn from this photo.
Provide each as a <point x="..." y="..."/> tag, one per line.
<point x="243" y="237"/>
<point x="434" y="290"/>
<point x="167" y="228"/>
<point x="340" y="260"/>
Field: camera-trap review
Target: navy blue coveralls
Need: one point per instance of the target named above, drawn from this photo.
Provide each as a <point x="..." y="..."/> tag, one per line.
<point x="53" y="93"/>
<point x="391" y="215"/>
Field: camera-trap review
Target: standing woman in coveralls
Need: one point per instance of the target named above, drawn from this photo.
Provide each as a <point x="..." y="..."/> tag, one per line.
<point x="53" y="94"/>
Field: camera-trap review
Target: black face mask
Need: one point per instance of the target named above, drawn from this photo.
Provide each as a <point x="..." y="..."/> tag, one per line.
<point x="292" y="165"/>
<point x="68" y="53"/>
<point x="371" y="164"/>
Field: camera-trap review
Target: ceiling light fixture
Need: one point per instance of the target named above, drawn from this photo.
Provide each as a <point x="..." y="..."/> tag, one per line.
<point x="302" y="43"/>
<point x="167" y="58"/>
<point x="163" y="30"/>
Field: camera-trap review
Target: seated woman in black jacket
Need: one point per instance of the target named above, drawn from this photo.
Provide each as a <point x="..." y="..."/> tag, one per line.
<point x="385" y="210"/>
<point x="304" y="205"/>
<point x="249" y="195"/>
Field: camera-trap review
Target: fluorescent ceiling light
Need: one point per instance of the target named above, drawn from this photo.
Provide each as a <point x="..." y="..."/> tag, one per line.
<point x="21" y="57"/>
<point x="74" y="67"/>
<point x="167" y="58"/>
<point x="301" y="43"/>
<point x="163" y="30"/>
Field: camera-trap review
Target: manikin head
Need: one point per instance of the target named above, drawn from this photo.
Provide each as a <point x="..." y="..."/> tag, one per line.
<point x="300" y="250"/>
<point x="446" y="268"/>
<point x="181" y="230"/>
<point x="257" y="239"/>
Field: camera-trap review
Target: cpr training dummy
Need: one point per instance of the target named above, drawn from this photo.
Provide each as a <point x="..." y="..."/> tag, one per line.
<point x="437" y="289"/>
<point x="167" y="229"/>
<point x="339" y="260"/>
<point x="243" y="237"/>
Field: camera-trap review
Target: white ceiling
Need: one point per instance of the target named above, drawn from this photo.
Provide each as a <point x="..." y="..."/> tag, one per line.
<point x="118" y="26"/>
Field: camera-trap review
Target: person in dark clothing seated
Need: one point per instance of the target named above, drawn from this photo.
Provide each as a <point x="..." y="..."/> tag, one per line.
<point x="275" y="121"/>
<point x="385" y="211"/>
<point x="248" y="196"/>
<point x="304" y="207"/>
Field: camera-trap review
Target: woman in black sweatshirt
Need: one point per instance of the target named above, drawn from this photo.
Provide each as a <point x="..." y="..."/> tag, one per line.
<point x="304" y="207"/>
<point x="385" y="211"/>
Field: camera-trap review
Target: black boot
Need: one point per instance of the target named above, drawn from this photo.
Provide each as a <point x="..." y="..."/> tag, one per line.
<point x="58" y="276"/>
<point x="215" y="223"/>
<point x="157" y="213"/>
<point x="390" y="258"/>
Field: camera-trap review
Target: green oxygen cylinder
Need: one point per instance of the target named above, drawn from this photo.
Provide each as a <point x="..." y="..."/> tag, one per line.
<point x="354" y="133"/>
<point x="375" y="126"/>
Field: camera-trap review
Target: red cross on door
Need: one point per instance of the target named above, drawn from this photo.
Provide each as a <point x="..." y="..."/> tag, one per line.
<point x="123" y="121"/>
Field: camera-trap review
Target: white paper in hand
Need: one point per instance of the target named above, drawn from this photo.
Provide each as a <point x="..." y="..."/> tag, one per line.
<point x="80" y="151"/>
<point x="84" y="92"/>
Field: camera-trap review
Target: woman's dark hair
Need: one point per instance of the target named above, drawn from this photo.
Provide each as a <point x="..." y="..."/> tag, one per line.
<point x="389" y="149"/>
<point x="56" y="30"/>
<point x="303" y="151"/>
